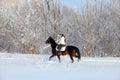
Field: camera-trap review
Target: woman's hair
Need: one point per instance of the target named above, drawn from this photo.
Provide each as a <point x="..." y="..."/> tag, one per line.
<point x="62" y="35"/>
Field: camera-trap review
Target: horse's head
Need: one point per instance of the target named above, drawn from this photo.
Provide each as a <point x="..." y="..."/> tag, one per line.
<point x="49" y="40"/>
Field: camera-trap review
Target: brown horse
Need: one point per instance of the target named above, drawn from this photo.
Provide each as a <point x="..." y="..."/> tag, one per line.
<point x="71" y="50"/>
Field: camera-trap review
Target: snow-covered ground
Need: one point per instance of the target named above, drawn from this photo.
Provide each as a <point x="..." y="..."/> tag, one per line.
<point x="37" y="67"/>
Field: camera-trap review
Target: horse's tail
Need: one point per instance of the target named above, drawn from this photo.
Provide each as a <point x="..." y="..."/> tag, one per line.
<point x="78" y="54"/>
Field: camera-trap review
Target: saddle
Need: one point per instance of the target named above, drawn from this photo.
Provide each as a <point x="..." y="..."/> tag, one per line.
<point x="60" y="47"/>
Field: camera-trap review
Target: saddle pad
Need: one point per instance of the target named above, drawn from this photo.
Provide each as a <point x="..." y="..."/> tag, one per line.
<point x="61" y="49"/>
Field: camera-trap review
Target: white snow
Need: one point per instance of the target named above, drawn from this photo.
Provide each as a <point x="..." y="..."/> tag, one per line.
<point x="37" y="67"/>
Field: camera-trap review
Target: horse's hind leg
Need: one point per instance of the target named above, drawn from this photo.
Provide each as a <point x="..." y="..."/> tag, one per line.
<point x="77" y="57"/>
<point x="71" y="58"/>
<point x="78" y="60"/>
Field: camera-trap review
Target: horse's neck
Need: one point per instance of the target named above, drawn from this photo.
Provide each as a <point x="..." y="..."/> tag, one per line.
<point x="53" y="44"/>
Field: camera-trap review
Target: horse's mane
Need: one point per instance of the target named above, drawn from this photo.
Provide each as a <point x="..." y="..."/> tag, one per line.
<point x="52" y="40"/>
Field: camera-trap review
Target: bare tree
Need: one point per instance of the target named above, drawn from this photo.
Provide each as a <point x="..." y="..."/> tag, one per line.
<point x="94" y="28"/>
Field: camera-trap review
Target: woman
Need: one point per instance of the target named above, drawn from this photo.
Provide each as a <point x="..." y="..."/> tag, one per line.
<point x="61" y="43"/>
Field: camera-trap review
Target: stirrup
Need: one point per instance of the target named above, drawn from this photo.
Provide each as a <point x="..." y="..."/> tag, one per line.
<point x="59" y="52"/>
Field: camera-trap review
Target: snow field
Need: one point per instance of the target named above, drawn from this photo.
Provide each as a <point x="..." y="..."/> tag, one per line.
<point x="37" y="67"/>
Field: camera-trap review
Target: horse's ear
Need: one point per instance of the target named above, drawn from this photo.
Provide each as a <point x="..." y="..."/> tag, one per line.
<point x="50" y="37"/>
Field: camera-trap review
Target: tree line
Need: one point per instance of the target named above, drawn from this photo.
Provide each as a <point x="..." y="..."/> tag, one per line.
<point x="94" y="27"/>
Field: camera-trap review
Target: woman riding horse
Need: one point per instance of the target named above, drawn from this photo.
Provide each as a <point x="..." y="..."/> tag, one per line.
<point x="72" y="51"/>
<point x="61" y="41"/>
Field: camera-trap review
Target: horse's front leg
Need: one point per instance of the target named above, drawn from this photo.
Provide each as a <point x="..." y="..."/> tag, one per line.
<point x="59" y="58"/>
<point x="51" y="57"/>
